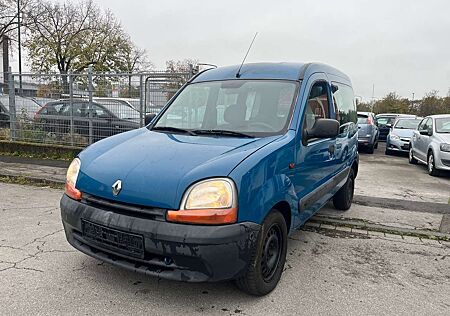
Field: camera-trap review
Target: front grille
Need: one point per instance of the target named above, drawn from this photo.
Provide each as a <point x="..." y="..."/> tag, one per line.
<point x="153" y="213"/>
<point x="406" y="140"/>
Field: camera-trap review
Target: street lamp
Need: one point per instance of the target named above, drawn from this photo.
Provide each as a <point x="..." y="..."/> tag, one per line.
<point x="19" y="47"/>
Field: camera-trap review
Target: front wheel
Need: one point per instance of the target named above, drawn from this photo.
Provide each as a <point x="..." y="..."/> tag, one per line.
<point x="267" y="258"/>
<point x="412" y="160"/>
<point x="343" y="198"/>
<point x="432" y="171"/>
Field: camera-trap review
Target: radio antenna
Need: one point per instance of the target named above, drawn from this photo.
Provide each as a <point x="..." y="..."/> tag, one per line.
<point x="238" y="75"/>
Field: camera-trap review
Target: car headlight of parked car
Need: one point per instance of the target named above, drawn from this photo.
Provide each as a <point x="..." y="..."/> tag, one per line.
<point x="445" y="147"/>
<point x="211" y="201"/>
<point x="71" y="179"/>
<point x="394" y="137"/>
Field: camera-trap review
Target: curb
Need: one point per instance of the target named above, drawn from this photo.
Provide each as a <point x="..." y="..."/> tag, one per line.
<point x="324" y="222"/>
<point x="29" y="180"/>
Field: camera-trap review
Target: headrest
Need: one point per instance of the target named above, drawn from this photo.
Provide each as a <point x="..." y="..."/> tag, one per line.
<point x="234" y="114"/>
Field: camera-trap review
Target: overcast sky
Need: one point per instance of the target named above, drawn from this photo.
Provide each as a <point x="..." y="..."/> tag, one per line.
<point x="397" y="45"/>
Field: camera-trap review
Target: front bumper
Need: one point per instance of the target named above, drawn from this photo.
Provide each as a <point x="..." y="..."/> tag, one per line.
<point x="442" y="160"/>
<point x="397" y="144"/>
<point x="364" y="141"/>
<point x="192" y="253"/>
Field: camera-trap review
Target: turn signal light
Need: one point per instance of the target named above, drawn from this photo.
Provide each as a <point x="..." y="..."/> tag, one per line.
<point x="205" y="217"/>
<point x="73" y="192"/>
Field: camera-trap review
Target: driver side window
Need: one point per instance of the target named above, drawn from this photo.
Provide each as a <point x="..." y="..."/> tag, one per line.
<point x="317" y="105"/>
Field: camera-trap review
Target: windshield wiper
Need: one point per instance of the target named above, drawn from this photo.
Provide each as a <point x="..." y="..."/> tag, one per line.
<point x="174" y="129"/>
<point x="222" y="132"/>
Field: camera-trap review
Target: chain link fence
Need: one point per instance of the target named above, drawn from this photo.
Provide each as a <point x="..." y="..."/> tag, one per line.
<point x="79" y="109"/>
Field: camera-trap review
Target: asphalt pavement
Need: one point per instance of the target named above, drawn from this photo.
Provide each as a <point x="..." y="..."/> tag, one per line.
<point x="330" y="269"/>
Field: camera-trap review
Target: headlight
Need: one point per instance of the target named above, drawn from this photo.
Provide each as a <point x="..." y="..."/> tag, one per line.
<point x="368" y="135"/>
<point x="445" y="147"/>
<point x="209" y="194"/>
<point x="211" y="201"/>
<point x="71" y="179"/>
<point x="394" y="137"/>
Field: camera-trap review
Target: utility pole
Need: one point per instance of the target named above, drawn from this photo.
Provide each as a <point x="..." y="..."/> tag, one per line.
<point x="19" y="47"/>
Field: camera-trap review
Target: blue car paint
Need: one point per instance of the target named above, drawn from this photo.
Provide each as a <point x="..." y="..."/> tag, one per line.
<point x="157" y="168"/>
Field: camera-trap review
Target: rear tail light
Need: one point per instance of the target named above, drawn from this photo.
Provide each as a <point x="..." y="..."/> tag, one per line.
<point x="369" y="120"/>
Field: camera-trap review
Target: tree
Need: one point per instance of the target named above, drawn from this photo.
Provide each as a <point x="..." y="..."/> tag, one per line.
<point x="133" y="59"/>
<point x="68" y="37"/>
<point x="431" y="104"/>
<point x="391" y="103"/>
<point x="180" y="71"/>
<point x="8" y="16"/>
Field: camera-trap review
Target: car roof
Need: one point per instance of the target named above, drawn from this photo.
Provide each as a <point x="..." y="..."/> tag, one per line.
<point x="395" y="115"/>
<point x="364" y="113"/>
<point x="282" y="70"/>
<point x="439" y="116"/>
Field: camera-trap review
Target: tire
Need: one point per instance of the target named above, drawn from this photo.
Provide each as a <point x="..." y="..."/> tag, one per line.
<point x="376" y="145"/>
<point x="432" y="171"/>
<point x="263" y="275"/>
<point x="343" y="198"/>
<point x="387" y="152"/>
<point x="371" y="149"/>
<point x="411" y="158"/>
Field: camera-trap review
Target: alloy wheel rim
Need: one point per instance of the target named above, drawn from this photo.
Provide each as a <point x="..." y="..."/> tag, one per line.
<point x="430" y="163"/>
<point x="271" y="255"/>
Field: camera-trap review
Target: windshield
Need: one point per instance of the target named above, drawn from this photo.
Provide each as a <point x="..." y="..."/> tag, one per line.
<point x="443" y="125"/>
<point x="408" y="124"/>
<point x="383" y="120"/>
<point x="120" y="109"/>
<point x="253" y="107"/>
<point x="363" y="119"/>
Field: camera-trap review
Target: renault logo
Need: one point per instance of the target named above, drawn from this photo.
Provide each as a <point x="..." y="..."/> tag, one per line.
<point x="116" y="187"/>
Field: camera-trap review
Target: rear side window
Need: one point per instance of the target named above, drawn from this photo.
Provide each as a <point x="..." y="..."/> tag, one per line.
<point x="344" y="101"/>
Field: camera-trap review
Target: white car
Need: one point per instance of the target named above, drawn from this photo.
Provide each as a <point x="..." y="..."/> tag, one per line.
<point x="430" y="143"/>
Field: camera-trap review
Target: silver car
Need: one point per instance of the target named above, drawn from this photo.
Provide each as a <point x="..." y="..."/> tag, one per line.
<point x="430" y="143"/>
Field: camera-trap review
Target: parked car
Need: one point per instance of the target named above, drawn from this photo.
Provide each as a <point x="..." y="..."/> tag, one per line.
<point x="367" y="131"/>
<point x="107" y="118"/>
<point x="202" y="194"/>
<point x="431" y="144"/>
<point x="4" y="116"/>
<point x="385" y="122"/>
<point x="399" y="137"/>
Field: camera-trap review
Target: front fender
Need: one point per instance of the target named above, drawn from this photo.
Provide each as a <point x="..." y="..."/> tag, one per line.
<point x="264" y="179"/>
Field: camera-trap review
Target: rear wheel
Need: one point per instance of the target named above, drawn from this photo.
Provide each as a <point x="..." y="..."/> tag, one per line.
<point x="432" y="171"/>
<point x="268" y="257"/>
<point x="376" y="145"/>
<point x="411" y="158"/>
<point x="343" y="198"/>
<point x="371" y="149"/>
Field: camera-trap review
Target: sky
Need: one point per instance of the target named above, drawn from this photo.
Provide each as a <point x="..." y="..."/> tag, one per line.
<point x="396" y="45"/>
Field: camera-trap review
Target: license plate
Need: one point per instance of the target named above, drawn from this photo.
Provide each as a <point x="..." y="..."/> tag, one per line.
<point x="114" y="240"/>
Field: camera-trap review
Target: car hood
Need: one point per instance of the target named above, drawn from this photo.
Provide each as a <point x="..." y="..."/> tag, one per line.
<point x="156" y="168"/>
<point x="443" y="137"/>
<point x="406" y="133"/>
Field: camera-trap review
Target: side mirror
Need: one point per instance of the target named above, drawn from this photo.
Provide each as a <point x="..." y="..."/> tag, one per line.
<point x="426" y="132"/>
<point x="149" y="118"/>
<point x="323" y="128"/>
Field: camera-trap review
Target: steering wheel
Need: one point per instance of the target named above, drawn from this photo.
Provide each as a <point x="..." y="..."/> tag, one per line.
<point x="265" y="125"/>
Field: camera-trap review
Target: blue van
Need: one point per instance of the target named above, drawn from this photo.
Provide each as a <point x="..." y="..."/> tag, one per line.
<point x="212" y="187"/>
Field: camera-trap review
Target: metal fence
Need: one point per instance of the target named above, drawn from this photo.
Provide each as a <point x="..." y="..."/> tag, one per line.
<point x="79" y="109"/>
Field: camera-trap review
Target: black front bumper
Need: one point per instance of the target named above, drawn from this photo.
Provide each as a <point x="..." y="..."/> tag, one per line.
<point x="192" y="253"/>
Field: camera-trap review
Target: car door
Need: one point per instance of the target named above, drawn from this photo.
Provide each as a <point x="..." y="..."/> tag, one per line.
<point x="421" y="142"/>
<point x="315" y="159"/>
